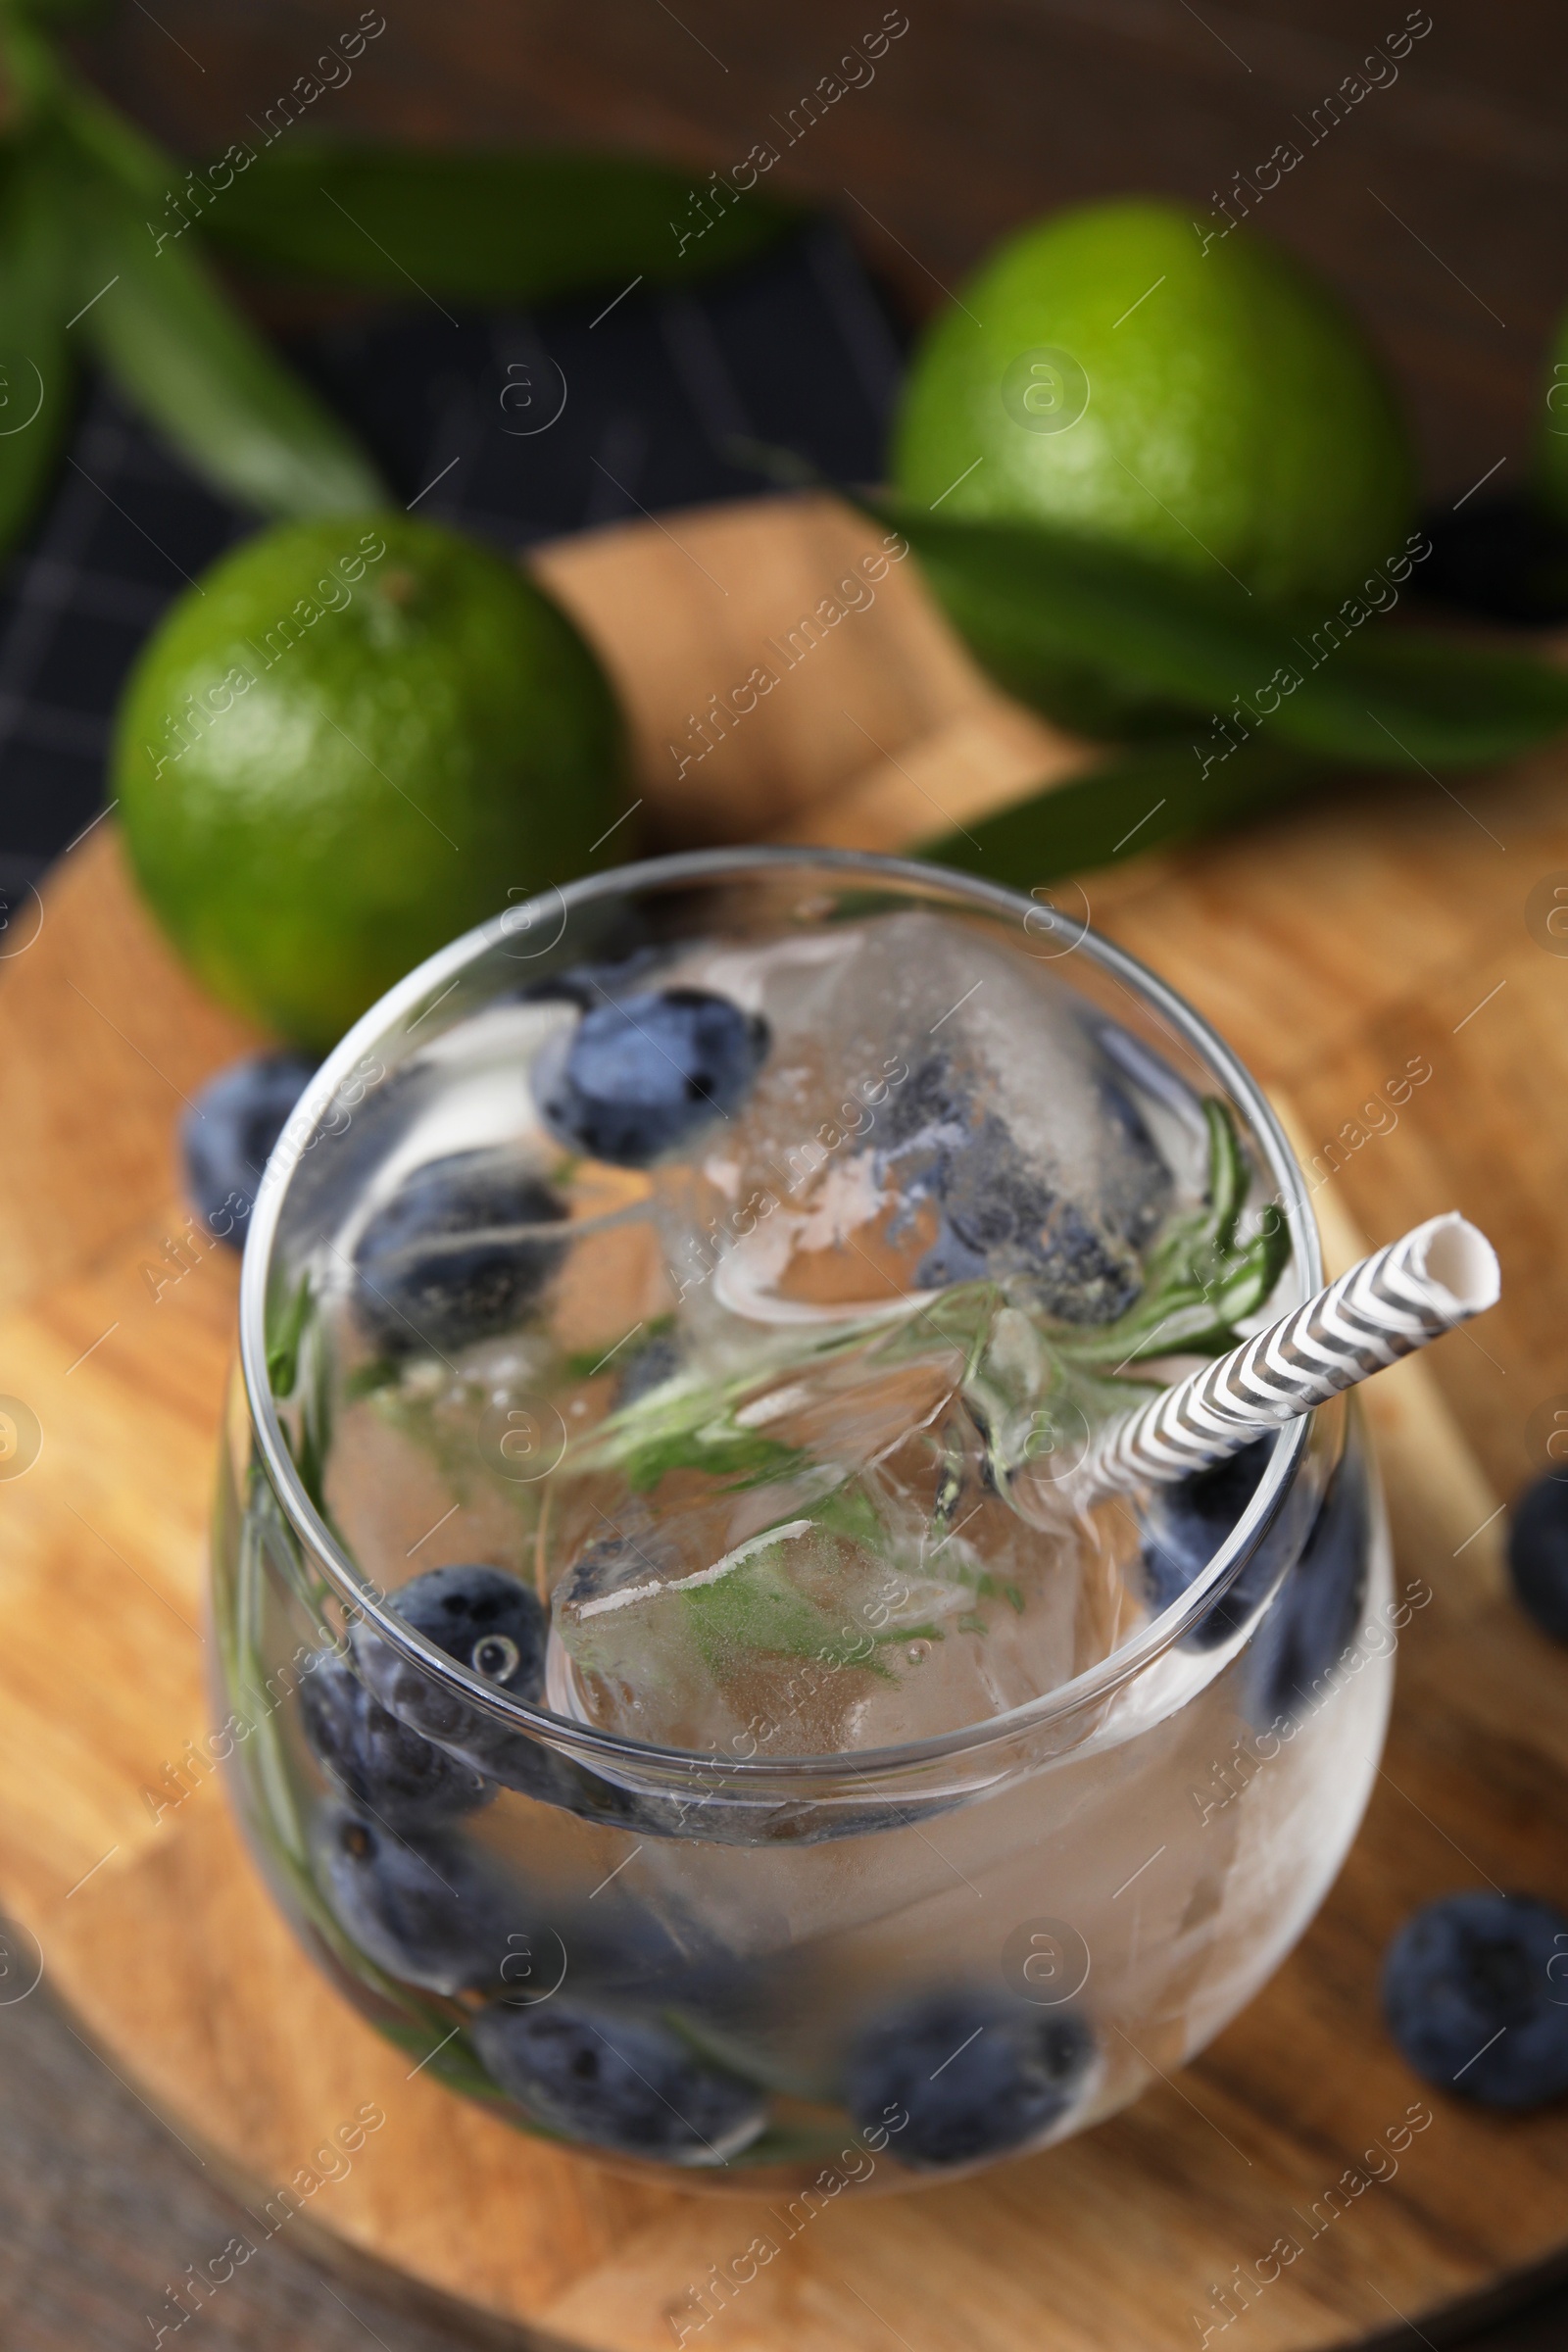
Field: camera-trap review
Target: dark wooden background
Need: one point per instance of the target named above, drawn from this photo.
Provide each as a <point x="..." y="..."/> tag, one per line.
<point x="1437" y="207"/>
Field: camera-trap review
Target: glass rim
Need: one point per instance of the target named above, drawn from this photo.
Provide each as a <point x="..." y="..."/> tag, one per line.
<point x="436" y="976"/>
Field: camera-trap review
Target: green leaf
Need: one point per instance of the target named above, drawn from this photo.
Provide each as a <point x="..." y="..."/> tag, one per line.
<point x="756" y="1608"/>
<point x="741" y="1457"/>
<point x="1147" y="796"/>
<point x="91" y="125"/>
<point x="1199" y="1279"/>
<point x="283" y="1342"/>
<point x="196" y="369"/>
<point x="1031" y="598"/>
<point x="65" y="14"/>
<point x="35" y="369"/>
<point x="478" y="226"/>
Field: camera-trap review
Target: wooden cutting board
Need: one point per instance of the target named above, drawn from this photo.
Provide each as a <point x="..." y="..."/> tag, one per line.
<point x="1337" y="948"/>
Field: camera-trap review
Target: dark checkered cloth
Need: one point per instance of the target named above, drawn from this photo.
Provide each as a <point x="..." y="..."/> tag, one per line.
<point x="660" y="392"/>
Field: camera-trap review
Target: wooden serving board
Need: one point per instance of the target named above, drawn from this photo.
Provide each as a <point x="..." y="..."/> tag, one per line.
<point x="1339" y="949"/>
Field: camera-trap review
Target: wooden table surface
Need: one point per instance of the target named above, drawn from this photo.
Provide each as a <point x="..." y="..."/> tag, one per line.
<point x="1436" y="207"/>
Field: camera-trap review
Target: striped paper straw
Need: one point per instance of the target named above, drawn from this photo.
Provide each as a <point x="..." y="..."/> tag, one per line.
<point x="1398" y="1300"/>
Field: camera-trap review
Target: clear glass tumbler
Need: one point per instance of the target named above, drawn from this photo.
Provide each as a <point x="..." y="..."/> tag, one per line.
<point x="741" y="1963"/>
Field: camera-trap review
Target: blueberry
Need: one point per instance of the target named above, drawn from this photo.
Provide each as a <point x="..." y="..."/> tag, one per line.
<point x="402" y="1779"/>
<point x="618" y="2081"/>
<point x="929" y="1113"/>
<point x="1313" y="1619"/>
<point x="1135" y="1194"/>
<point x="1186" y="1523"/>
<point x="995" y="1209"/>
<point x="489" y="1622"/>
<point x="1475" y="1994"/>
<point x="1538" y="1554"/>
<point x="423" y="1907"/>
<point x="626" y="1949"/>
<point x="437" y="1268"/>
<point x="229" y="1133"/>
<point x="975" y="2076"/>
<point x="493" y="1625"/>
<point x="643" y="1072"/>
<point x="614" y="1565"/>
<point x="658" y="1360"/>
<point x="998" y="1215"/>
<point x="486" y="1619"/>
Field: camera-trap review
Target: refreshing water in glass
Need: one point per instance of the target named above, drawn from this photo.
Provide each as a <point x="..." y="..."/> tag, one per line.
<point x="684" y="1684"/>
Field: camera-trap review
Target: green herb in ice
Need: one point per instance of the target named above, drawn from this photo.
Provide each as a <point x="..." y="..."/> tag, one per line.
<point x="1201" y="1279"/>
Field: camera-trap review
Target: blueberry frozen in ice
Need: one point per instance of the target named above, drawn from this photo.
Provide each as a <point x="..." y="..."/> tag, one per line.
<point x="1001" y="1217"/>
<point x="644" y="1072"/>
<point x="932" y="1105"/>
<point x="442" y="1264"/>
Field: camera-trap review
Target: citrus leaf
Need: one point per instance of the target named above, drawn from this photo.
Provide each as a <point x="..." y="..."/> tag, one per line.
<point x="35" y="371"/>
<point x="67" y="14"/>
<point x="120" y="147"/>
<point x="480" y="227"/>
<point x="1027" y="597"/>
<point x="1149" y="795"/>
<point x="197" y="370"/>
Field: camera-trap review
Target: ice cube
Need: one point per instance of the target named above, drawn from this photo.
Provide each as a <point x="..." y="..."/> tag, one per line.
<point x="880" y="1586"/>
<point x="935" y="1110"/>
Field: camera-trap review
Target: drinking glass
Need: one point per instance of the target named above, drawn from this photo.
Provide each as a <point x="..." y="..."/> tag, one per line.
<point x="746" y="1963"/>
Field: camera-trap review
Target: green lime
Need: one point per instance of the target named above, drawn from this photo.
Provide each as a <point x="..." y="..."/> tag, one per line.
<point x="354" y="739"/>
<point x="1209" y="406"/>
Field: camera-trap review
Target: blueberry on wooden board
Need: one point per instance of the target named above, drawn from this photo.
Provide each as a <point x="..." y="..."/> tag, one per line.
<point x="1538" y="1554"/>
<point x="228" y="1134"/>
<point x="1475" y="1995"/>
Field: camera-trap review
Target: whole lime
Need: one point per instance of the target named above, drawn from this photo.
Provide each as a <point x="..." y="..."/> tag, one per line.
<point x="1206" y="404"/>
<point x="346" y="744"/>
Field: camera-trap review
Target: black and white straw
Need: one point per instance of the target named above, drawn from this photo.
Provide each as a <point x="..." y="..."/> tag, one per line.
<point x="1398" y="1300"/>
